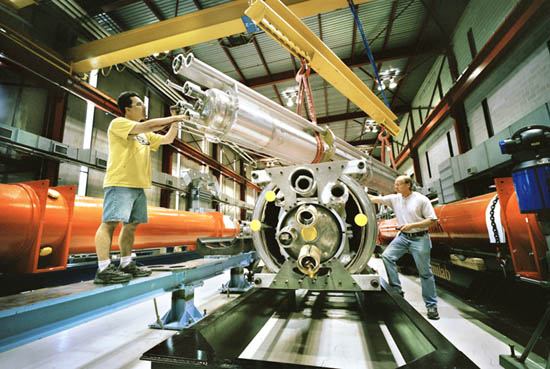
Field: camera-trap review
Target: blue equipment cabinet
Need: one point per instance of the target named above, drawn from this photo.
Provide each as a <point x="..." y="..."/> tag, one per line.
<point x="530" y="148"/>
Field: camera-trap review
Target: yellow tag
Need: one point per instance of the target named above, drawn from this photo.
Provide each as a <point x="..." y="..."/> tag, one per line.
<point x="255" y="225"/>
<point x="270" y="196"/>
<point x="361" y="220"/>
<point x="45" y="251"/>
<point x="309" y="233"/>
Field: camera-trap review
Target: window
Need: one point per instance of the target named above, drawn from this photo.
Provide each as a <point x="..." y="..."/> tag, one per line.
<point x="428" y="163"/>
<point x="450" y="144"/>
<point x="488" y="121"/>
<point x="472" y="43"/>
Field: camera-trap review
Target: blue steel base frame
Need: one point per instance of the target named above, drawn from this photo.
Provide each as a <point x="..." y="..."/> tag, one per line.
<point x="237" y="282"/>
<point x="183" y="312"/>
<point x="28" y="323"/>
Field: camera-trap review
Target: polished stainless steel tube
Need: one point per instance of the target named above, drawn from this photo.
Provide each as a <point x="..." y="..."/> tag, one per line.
<point x="253" y="121"/>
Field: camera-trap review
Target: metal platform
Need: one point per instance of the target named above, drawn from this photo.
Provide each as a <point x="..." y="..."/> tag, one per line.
<point x="30" y="316"/>
<point x="218" y="340"/>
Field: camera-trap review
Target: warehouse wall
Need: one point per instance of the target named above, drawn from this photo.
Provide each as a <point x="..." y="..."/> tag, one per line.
<point x="518" y="88"/>
<point x="24" y="103"/>
<point x="524" y="90"/>
<point x="483" y="17"/>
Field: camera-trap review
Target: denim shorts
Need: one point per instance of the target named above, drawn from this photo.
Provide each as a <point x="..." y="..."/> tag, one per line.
<point x="124" y="204"/>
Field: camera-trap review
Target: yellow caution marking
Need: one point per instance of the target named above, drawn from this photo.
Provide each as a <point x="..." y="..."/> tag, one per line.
<point x="45" y="251"/>
<point x="53" y="194"/>
<point x="270" y="196"/>
<point x="255" y="225"/>
<point x="309" y="233"/>
<point x="361" y="220"/>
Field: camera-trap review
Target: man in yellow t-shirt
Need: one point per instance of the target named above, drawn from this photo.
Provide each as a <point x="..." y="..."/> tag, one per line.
<point x="131" y="139"/>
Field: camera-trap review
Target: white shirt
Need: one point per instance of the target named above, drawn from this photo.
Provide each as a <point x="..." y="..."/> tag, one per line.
<point x="411" y="209"/>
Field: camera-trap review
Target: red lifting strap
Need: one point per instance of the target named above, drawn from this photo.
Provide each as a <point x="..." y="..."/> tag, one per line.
<point x="383" y="138"/>
<point x="302" y="77"/>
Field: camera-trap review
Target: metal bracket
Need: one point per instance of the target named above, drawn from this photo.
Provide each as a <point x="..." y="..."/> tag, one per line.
<point x="237" y="282"/>
<point x="183" y="312"/>
<point x="332" y="277"/>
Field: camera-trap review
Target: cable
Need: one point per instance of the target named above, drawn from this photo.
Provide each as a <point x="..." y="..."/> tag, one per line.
<point x="367" y="48"/>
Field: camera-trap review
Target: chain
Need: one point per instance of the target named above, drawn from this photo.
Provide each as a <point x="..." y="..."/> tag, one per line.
<point x="501" y="261"/>
<point x="492" y="219"/>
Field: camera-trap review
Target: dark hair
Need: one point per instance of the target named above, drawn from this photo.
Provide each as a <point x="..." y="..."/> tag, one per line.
<point x="409" y="181"/>
<point x="125" y="101"/>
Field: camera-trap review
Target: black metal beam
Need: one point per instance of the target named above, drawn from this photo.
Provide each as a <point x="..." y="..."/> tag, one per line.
<point x="355" y="62"/>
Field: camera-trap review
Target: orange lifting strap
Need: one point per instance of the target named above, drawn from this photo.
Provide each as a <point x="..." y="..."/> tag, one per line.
<point x="383" y="138"/>
<point x="302" y="77"/>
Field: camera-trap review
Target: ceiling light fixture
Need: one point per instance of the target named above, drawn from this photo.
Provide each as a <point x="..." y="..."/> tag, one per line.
<point x="291" y="95"/>
<point x="370" y="126"/>
<point x="388" y="79"/>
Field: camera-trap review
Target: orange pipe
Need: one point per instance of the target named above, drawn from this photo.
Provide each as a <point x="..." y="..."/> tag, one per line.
<point x="166" y="227"/>
<point x="460" y="222"/>
<point x="34" y="218"/>
<point x="463" y="225"/>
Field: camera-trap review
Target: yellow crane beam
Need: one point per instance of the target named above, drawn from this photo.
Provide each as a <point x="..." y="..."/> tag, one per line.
<point x="285" y="27"/>
<point x="186" y="30"/>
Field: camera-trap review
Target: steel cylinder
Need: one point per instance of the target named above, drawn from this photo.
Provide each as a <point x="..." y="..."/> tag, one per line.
<point x="260" y="124"/>
<point x="295" y="221"/>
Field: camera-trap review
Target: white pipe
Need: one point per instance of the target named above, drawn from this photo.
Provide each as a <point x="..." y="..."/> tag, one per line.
<point x="255" y="122"/>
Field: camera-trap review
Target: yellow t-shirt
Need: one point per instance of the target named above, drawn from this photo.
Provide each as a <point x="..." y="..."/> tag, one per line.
<point x="129" y="163"/>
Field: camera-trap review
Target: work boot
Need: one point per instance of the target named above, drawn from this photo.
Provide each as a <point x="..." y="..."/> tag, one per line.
<point x="432" y="313"/>
<point x="111" y="275"/>
<point x="136" y="271"/>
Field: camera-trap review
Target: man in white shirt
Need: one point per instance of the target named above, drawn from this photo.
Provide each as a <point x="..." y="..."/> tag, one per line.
<point x="414" y="214"/>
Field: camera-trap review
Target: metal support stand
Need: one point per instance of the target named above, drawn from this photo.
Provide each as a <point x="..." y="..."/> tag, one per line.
<point x="183" y="312"/>
<point x="511" y="361"/>
<point x="237" y="282"/>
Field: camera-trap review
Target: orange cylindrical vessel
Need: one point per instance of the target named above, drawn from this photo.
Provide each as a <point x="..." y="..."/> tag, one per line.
<point x="463" y="223"/>
<point x="31" y="221"/>
<point x="482" y="225"/>
<point x="19" y="221"/>
<point x="166" y="227"/>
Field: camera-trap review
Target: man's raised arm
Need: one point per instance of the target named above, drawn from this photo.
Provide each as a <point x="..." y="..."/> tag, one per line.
<point x="155" y="124"/>
<point x="374" y="199"/>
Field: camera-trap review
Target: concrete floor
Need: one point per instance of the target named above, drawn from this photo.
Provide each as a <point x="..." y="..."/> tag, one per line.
<point x="118" y="339"/>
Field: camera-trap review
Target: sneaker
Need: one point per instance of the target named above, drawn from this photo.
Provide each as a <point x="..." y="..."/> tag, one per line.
<point x="401" y="293"/>
<point x="111" y="275"/>
<point x="432" y="313"/>
<point x="136" y="271"/>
